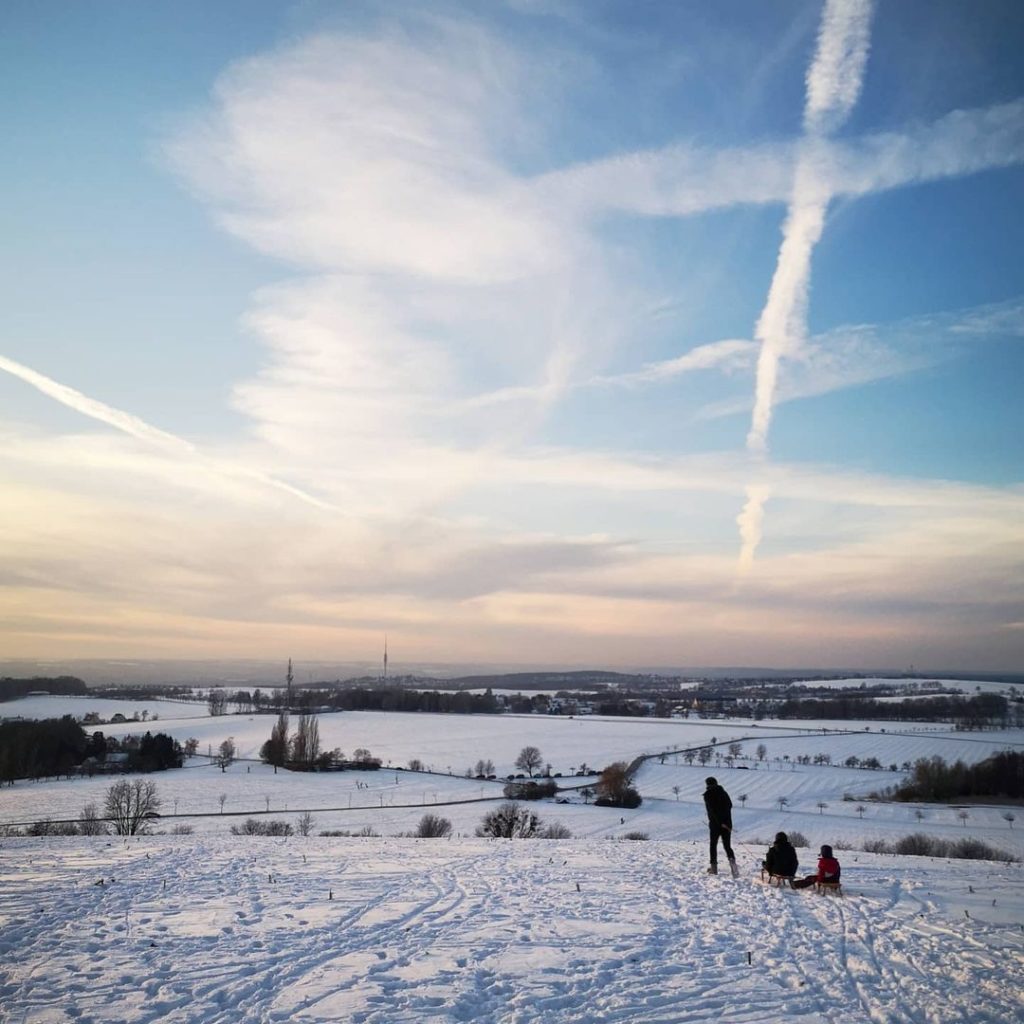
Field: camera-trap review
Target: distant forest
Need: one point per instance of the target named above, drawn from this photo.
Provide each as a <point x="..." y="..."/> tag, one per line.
<point x="1001" y="775"/>
<point x="60" y="746"/>
<point x="12" y="689"/>
<point x="985" y="709"/>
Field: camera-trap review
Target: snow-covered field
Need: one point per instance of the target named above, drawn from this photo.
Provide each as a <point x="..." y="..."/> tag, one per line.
<point x="968" y="687"/>
<point x="216" y="931"/>
<point x="210" y="927"/>
<point x="43" y="706"/>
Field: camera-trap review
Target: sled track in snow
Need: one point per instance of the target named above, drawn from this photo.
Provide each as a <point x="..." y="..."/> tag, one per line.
<point x="240" y="930"/>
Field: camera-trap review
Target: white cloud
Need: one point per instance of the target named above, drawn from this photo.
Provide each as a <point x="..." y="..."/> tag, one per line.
<point x="432" y="269"/>
<point x="374" y="155"/>
<point x="686" y="178"/>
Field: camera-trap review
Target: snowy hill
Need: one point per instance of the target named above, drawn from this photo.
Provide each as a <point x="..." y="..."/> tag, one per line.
<point x="217" y="930"/>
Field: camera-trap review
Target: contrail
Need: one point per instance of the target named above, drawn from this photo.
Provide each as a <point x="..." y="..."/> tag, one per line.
<point x="834" y="82"/>
<point x="138" y="428"/>
<point x="749" y="522"/>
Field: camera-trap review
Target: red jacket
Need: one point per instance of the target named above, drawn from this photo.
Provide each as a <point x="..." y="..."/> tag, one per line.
<point x="828" y="869"/>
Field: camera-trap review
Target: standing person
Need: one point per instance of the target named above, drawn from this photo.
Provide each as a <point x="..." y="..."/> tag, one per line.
<point x="719" y="808"/>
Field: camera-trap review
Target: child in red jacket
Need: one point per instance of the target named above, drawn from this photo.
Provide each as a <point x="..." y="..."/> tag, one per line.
<point x="828" y="870"/>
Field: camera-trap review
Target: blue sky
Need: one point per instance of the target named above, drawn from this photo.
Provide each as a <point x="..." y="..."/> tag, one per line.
<point x="574" y="333"/>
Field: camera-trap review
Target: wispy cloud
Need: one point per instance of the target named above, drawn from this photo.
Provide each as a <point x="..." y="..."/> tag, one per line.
<point x="852" y="355"/>
<point x="442" y="298"/>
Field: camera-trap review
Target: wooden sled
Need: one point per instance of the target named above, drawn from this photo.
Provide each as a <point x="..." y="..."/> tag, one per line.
<point x="823" y="887"/>
<point x="773" y="879"/>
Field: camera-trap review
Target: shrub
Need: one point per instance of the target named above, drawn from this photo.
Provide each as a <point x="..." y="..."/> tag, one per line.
<point x="255" y="827"/>
<point x="876" y="846"/>
<point x="182" y="830"/>
<point x="920" y="845"/>
<point x="556" y="830"/>
<point x="975" y="849"/>
<point x="509" y="821"/>
<point x="364" y="832"/>
<point x="532" y="790"/>
<point x="614" y="789"/>
<point x="46" y="827"/>
<point x="628" y="797"/>
<point x="433" y="826"/>
<point x="798" y="839"/>
<point x="637" y="836"/>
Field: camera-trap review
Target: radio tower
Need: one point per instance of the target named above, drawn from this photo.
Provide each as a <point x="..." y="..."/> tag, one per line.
<point x="288" y="691"/>
<point x="385" y="676"/>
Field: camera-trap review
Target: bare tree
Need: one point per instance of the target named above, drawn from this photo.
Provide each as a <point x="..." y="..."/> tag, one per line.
<point x="821" y="806"/>
<point x="131" y="805"/>
<point x="305" y="747"/>
<point x="783" y="802"/>
<point x="676" y="790"/>
<point x="191" y="746"/>
<point x="742" y="799"/>
<point x="304" y="824"/>
<point x="415" y="765"/>
<point x="704" y="754"/>
<point x="1010" y="818"/>
<point x="529" y="758"/>
<point x="735" y="748"/>
<point x="919" y="814"/>
<point x="762" y="751"/>
<point x="222" y="800"/>
<point x="90" y="823"/>
<point x="963" y="816"/>
<point x="860" y="809"/>
<point x="217" y="702"/>
<point x="225" y="754"/>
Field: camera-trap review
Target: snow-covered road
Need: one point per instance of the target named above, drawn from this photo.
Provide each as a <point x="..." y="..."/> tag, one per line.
<point x="219" y="930"/>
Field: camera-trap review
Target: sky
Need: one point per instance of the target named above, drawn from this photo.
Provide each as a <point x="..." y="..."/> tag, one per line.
<point x="533" y="332"/>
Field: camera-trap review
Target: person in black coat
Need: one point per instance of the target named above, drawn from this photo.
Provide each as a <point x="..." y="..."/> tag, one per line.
<point x="719" y="808"/>
<point x="781" y="858"/>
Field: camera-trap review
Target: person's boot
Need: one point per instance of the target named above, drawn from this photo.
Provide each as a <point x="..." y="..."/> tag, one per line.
<point x="713" y="870"/>
<point x="732" y="867"/>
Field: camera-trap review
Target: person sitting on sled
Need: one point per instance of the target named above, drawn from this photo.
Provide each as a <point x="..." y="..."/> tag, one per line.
<point x="781" y="857"/>
<point x="828" y="870"/>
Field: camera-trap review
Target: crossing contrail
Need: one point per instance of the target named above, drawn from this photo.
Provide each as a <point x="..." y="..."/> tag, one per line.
<point x="834" y="82"/>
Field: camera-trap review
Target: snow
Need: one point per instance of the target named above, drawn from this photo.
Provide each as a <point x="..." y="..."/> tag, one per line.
<point x="105" y="707"/>
<point x="214" y="930"/>
<point x="967" y="687"/>
<point x="211" y="927"/>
